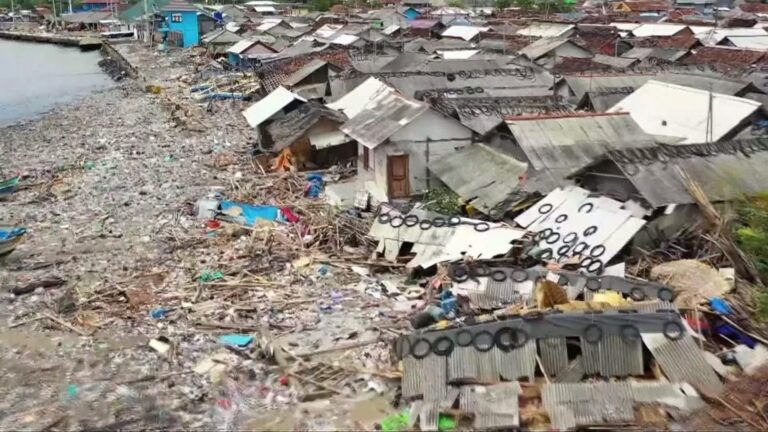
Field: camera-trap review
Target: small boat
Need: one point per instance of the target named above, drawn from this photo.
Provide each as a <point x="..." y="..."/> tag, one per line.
<point x="8" y="187"/>
<point x="10" y="237"/>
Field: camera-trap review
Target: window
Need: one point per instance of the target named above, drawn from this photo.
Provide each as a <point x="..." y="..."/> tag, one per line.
<point x="176" y="18"/>
<point x="366" y="163"/>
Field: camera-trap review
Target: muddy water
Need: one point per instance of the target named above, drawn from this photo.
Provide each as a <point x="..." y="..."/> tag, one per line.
<point x="36" y="77"/>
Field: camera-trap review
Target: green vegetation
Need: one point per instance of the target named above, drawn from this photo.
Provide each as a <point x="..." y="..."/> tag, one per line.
<point x="442" y="200"/>
<point x="321" y="5"/>
<point x="456" y="3"/>
<point x="502" y="4"/>
<point x="751" y="235"/>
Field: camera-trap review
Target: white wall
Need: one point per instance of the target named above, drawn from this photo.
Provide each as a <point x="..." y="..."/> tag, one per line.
<point x="446" y="135"/>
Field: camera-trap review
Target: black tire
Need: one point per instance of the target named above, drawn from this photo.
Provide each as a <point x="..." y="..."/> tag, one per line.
<point x="454" y="220"/>
<point x="482" y="227"/>
<point x="499" y="275"/>
<point x="543" y="234"/>
<point x="545" y="208"/>
<point x="673" y="330"/>
<point x="396" y="221"/>
<point x="425" y="224"/>
<point x="629" y="333"/>
<point x="546" y="254"/>
<point x="585" y="262"/>
<point x="459" y="273"/>
<point x="477" y="343"/>
<point x="464" y="338"/>
<point x="519" y="275"/>
<point x="411" y="220"/>
<point x="597" y="251"/>
<point x="563" y="250"/>
<point x="402" y="347"/>
<point x="570" y="238"/>
<point x="590" y="230"/>
<point x="594" y="284"/>
<point x="553" y="238"/>
<point x="516" y="338"/>
<point x="580" y="248"/>
<point x="586" y="208"/>
<point x="438" y="222"/>
<point x="443" y="346"/>
<point x="665" y="294"/>
<point x="595" y="267"/>
<point x="384" y="218"/>
<point x="637" y="294"/>
<point x="592" y="334"/>
<point x="421" y="348"/>
<point x="561" y="218"/>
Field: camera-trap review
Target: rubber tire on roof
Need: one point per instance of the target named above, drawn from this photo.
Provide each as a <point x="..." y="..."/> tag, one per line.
<point x="592" y="333"/>
<point x="665" y="294"/>
<point x="411" y="220"/>
<point x="482" y="227"/>
<point x="459" y="273"/>
<point x="546" y="206"/>
<point x="629" y="333"/>
<point x="416" y="353"/>
<point x="438" y="222"/>
<point x="595" y="270"/>
<point x="593" y="284"/>
<point x="444" y="351"/>
<point x="563" y="250"/>
<point x="599" y="248"/>
<point x="546" y="254"/>
<point x="425" y="224"/>
<point x="454" y="220"/>
<point x="554" y="235"/>
<point x="519" y="275"/>
<point x="464" y="338"/>
<point x="518" y="337"/>
<point x="637" y="294"/>
<point x="673" y="330"/>
<point x="561" y="218"/>
<point x="499" y="275"/>
<point x="480" y="270"/>
<point x="476" y="341"/>
<point x="590" y="230"/>
<point x="384" y="218"/>
<point x="396" y="221"/>
<point x="572" y="240"/>
<point x="402" y="347"/>
<point x="580" y="248"/>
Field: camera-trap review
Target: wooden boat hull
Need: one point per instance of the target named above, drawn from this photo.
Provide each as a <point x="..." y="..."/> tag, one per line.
<point x="10" y="238"/>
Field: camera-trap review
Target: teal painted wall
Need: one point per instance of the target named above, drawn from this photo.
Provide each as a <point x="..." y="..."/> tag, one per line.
<point x="187" y="27"/>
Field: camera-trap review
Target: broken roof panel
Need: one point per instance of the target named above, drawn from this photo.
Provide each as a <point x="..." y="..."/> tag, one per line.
<point x="546" y="29"/>
<point x="574" y="140"/>
<point x="542" y="46"/>
<point x="480" y="172"/>
<point x="270" y="105"/>
<point x="679" y="115"/>
<point x="386" y="113"/>
<point x="304" y="72"/>
<point x="457" y="54"/>
<point x="287" y="129"/>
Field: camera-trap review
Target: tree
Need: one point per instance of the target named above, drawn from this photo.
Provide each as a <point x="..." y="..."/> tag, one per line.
<point x="321" y="5"/>
<point x="502" y="4"/>
<point x="524" y="4"/>
<point x="456" y="3"/>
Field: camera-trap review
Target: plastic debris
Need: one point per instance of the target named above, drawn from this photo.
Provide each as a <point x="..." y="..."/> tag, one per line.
<point x="158" y="313"/>
<point x="236" y="340"/>
<point x="209" y="276"/>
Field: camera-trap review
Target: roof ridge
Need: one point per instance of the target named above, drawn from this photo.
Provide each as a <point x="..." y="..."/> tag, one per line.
<point x="554" y="116"/>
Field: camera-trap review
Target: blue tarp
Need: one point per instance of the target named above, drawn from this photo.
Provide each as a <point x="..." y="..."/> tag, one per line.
<point x="249" y="214"/>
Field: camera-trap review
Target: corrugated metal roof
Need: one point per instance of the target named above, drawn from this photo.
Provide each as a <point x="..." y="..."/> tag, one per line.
<point x="664" y="29"/>
<point x="179" y="6"/>
<point x="573" y="141"/>
<point x="716" y="35"/>
<point x="270" y="105"/>
<point x="480" y="172"/>
<point x="749" y="42"/>
<point x="457" y="54"/>
<point x="463" y="32"/>
<point x="681" y="113"/>
<point x="723" y="177"/>
<point x="542" y="46"/>
<point x="345" y="39"/>
<point x="582" y="404"/>
<point x="287" y="129"/>
<point x="681" y="361"/>
<point x="612" y="357"/>
<point x="304" y="72"/>
<point x="546" y="29"/>
<point x="353" y="102"/>
<point x="386" y="113"/>
<point x="241" y="46"/>
<point x="616" y="62"/>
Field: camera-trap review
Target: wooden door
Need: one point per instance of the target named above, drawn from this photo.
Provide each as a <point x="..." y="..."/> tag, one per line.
<point x="397" y="174"/>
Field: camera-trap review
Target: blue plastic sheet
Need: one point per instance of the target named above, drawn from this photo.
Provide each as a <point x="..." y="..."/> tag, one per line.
<point x="249" y="214"/>
<point x="235" y="340"/>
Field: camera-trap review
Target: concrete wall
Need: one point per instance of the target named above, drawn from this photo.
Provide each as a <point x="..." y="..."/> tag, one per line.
<point x="429" y="137"/>
<point x="188" y="26"/>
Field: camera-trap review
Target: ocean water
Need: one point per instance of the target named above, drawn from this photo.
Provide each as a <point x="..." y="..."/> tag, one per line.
<point x="35" y="77"/>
